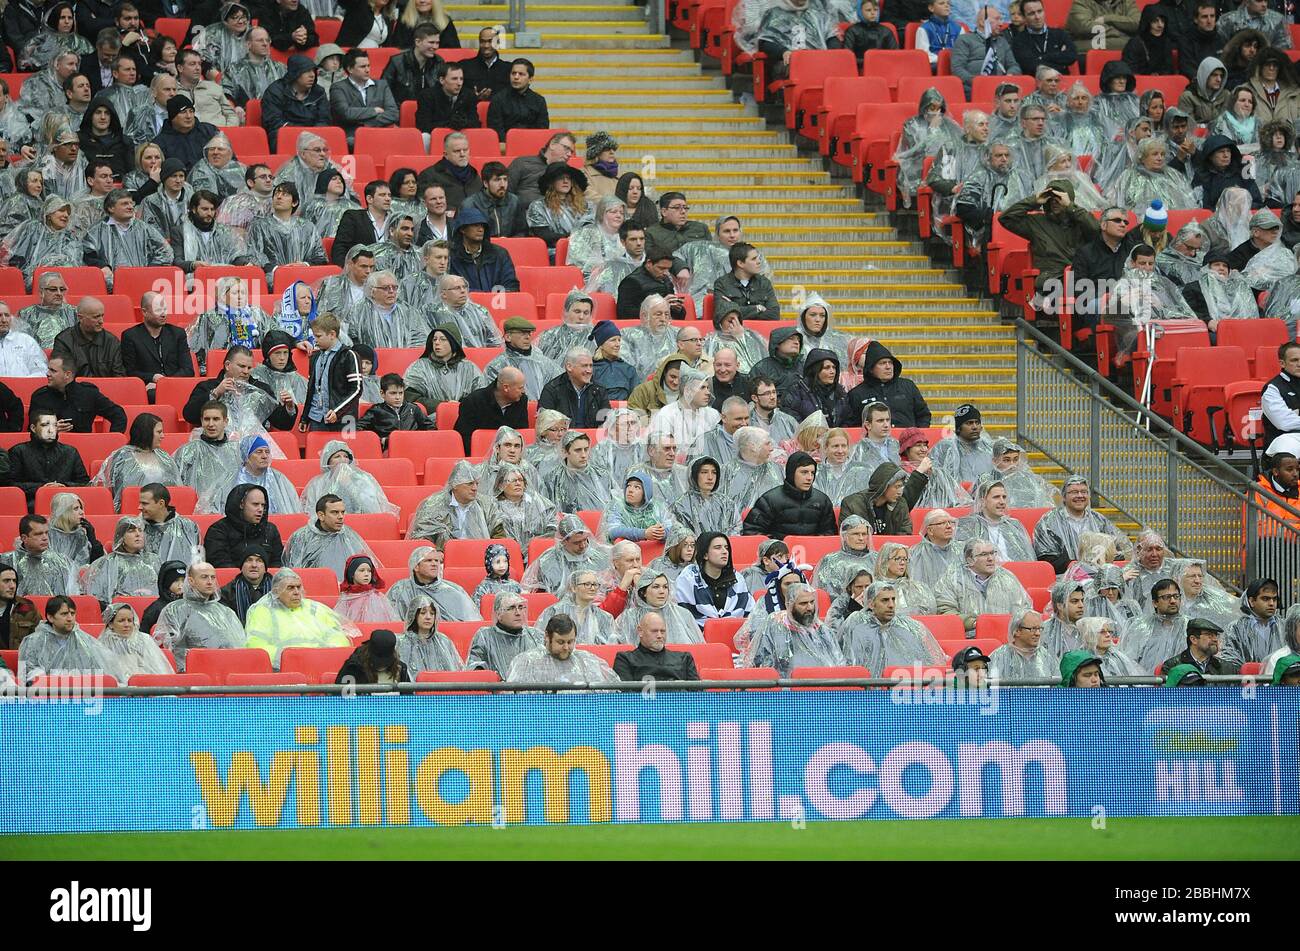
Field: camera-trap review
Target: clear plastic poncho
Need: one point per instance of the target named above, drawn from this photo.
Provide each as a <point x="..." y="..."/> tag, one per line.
<point x="1137" y="186"/>
<point x="129" y="465"/>
<point x="175" y="539"/>
<point x="44" y="651"/>
<point x="1080" y="130"/>
<point x="1058" y="533"/>
<point x="595" y="624"/>
<point x="313" y="547"/>
<point x="942" y="490"/>
<point x="206" y="467"/>
<point x="558" y="341"/>
<point x="964" y="461"/>
<point x="1152" y="639"/>
<point x="1122" y="611"/>
<point x="913" y="597"/>
<point x="35" y="244"/>
<point x="551" y="571"/>
<point x="452" y="601"/>
<point x="593" y="243"/>
<point x="922" y="138"/>
<point x="1227" y="298"/>
<point x="494" y="648"/>
<point x="1011" y="534"/>
<point x="1059" y="635"/>
<point x="620" y="520"/>
<point x="1213" y="603"/>
<point x="1141" y="297"/>
<point x="538" y="369"/>
<point x="473" y="320"/>
<point x="745" y="482"/>
<point x="364" y="604"/>
<point x="42" y="575"/>
<point x="490" y="468"/>
<point x="421" y="652"/>
<point x="1269" y="266"/>
<point x="73" y="544"/>
<point x="575" y="490"/>
<point x="1026" y="489"/>
<point x="436" y="520"/>
<point x="1121" y="154"/>
<point x="1178" y="267"/>
<point x="532" y="516"/>
<point x="716" y="512"/>
<point x="1229" y="226"/>
<point x="620" y="446"/>
<point x="645" y="347"/>
<point x="119" y="572"/>
<point x="544" y="454"/>
<point x="279" y="381"/>
<point x="682" y="628"/>
<point x="958" y="593"/>
<point x="836" y="569"/>
<point x="282" y="497"/>
<point x="247" y="408"/>
<point x="1284" y="300"/>
<point x="1008" y="663"/>
<point x="272" y="625"/>
<point x="901" y="642"/>
<point x="403" y="326"/>
<point x="359" y="490"/>
<point x="777" y="21"/>
<point x="928" y="562"/>
<point x="538" y="665"/>
<point x="784" y="643"/>
<point x="750" y="348"/>
<point x="136" y="652"/>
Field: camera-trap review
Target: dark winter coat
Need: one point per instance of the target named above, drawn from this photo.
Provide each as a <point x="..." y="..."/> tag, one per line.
<point x="786" y="510"/>
<point x="226" y="534"/>
<point x="492" y="270"/>
<point x="34" y="463"/>
<point x="892" y="519"/>
<point x="810" y="395"/>
<point x="907" y="406"/>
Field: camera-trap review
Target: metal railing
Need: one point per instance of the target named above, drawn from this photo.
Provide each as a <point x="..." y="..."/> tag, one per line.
<point x="1150" y="472"/>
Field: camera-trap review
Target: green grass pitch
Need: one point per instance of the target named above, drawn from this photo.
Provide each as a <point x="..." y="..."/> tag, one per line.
<point x="1193" y="838"/>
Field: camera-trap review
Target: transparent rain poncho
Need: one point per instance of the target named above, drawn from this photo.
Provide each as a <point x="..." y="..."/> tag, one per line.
<point x="913" y="597"/>
<point x="194" y="620"/>
<point x="44" y="574"/>
<point x="175" y="539"/>
<point x="544" y="454"/>
<point x="119" y="572"/>
<point x="838" y="480"/>
<point x="435" y="519"/>
<point x="359" y="490"/>
<point x="958" y="593"/>
<point x="531" y="516"/>
<point x="1227" y="298"/>
<point x="1121" y="154"/>
<point x="1229" y="226"/>
<point x="682" y="419"/>
<point x="1008" y="663"/>
<point x="313" y="547"/>
<point x="990" y="189"/>
<point x="430" y="381"/>
<point x="1058" y="533"/>
<point x="391" y="256"/>
<point x="922" y="137"/>
<point x="538" y="665"/>
<point x="1284" y="299"/>
<point x="1076" y="126"/>
<point x="928" y="562"/>
<point x="44" y="651"/>
<point x="551" y="571"/>
<point x="72" y="543"/>
<point x="286" y="380"/>
<point x="1059" y="635"/>
<point x="1114" y="662"/>
<point x="595" y="625"/>
<point x="646" y="345"/>
<point x="784" y="643"/>
<point x="1026" y="489"/>
<point x="575" y="490"/>
<point x="558" y="341"/>
<point x="772" y="599"/>
<point x="790" y="26"/>
<point x="43" y="324"/>
<point x="432" y="651"/>
<point x="620" y="447"/>
<point x="499" y="457"/>
<point x="942" y="490"/>
<point x="682" y="628"/>
<point x="473" y="320"/>
<point x="272" y="625"/>
<point x="716" y="512"/>
<point x="594" y="243"/>
<point x="247" y="407"/>
<point x="1137" y="185"/>
<point x="621" y="520"/>
<point x="452" y="601"/>
<point x="538" y="369"/>
<point x="1152" y="639"/>
<point x="129" y="465"/>
<point x="495" y="648"/>
<point x="135" y="652"/>
<point x="232" y="320"/>
<point x="1123" y="611"/>
<point x="281" y="495"/>
<point x="664" y="563"/>
<point x="1212" y="603"/>
<point x="899" y="642"/>
<point x="836" y="569"/>
<point x="750" y="347"/>
<point x="206" y="467"/>
<point x="1060" y="166"/>
<point x="35" y="244"/>
<point x="1141" y="297"/>
<point x="669" y="482"/>
<point x="1269" y="266"/>
<point x="745" y="482"/>
<point x="1179" y="267"/>
<point x="401" y="327"/>
<point x="1012" y="534"/>
<point x="364" y="604"/>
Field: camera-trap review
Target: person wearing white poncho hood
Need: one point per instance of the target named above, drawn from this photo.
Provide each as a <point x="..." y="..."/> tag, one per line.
<point x="753" y="471"/>
<point x="879" y="636"/>
<point x="134" y="651"/>
<point x="594" y="243"/>
<point x="286" y="618"/>
<point x="1269" y="264"/>
<point x="422" y="646"/>
<point x="456" y="511"/>
<point x="730" y="333"/>
<point x="575" y="331"/>
<point x="573" y="551"/>
<point x="1220" y="293"/>
<point x="1143" y="294"/>
<point x="1061" y="631"/>
<point x="442" y="373"/>
<point x="60" y="645"/>
<point x="523" y="513"/>
<point x="397" y="252"/>
<point x="1057" y="534"/>
<point x="282" y="497"/>
<point x="1229" y="226"/>
<point x="653" y="593"/>
<point x="892" y="562"/>
<point x="1150" y="178"/>
<point x="990" y="522"/>
<point x="128" y="570"/>
<point x="1202" y="595"/>
<point x="198" y="618"/>
<point x="836" y="568"/>
<point x="661" y="467"/>
<point x="507" y="450"/>
<point x="794" y="637"/>
<point x="1025" y="488"/>
<point x="1098" y="636"/>
<point x="1106" y="600"/>
<point x="341" y="476"/>
<point x="496" y="645"/>
<point x="979" y="586"/>
<point x="936" y="553"/>
<point x="579" y="603"/>
<point x="1181" y="259"/>
<point x="704" y="508"/>
<point x="575" y="485"/>
<point x="620" y="447"/>
<point x="325" y="542"/>
<point x="690" y="416"/>
<point x="1023" y="656"/>
<point x="426" y="579"/>
<point x="816" y="326"/>
<point x="1284" y="297"/>
<point x="647" y="344"/>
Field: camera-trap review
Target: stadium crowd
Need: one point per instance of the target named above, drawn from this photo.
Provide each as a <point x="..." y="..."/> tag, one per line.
<point x="647" y="432"/>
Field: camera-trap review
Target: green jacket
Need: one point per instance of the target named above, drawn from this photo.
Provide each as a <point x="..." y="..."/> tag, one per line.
<point x="1053" y="241"/>
<point x="669" y="238"/>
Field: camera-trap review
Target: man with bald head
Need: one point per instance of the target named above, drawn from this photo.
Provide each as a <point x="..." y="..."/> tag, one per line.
<point x="728" y="381"/>
<point x="502" y="402"/>
<point x="154" y="348"/>
<point x="86" y="346"/>
<point x="198" y="618"/>
<point x="651" y="660"/>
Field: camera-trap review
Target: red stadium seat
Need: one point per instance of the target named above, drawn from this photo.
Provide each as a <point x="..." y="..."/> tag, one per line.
<point x="529" y="141"/>
<point x="910" y="89"/>
<point x="1028" y="518"/>
<point x="461" y="634"/>
<point x="808" y="72"/>
<point x="540" y="281"/>
<point x="1039" y="597"/>
<point x="13" y="501"/>
<point x="766" y="674"/>
<point x="394" y="553"/>
<point x="993" y="626"/>
<point x="555" y="307"/>
<point x="606" y="652"/>
<point x="96" y="500"/>
<point x="833" y="118"/>
<point x="525" y="252"/>
<point x="174" y="27"/>
<point x="1251" y="336"/>
<point x="508" y="303"/>
<point x="810" y="549"/>
<point x="829" y="673"/>
<point x="942" y="625"/>
<point x="328" y="31"/>
<point x="313" y="274"/>
<point x="13" y="282"/>
<point x="982" y="88"/>
<point x="283" y="679"/>
<point x="457" y="677"/>
<point x="392" y="140"/>
<point x="893" y="65"/>
<point x="286" y="142"/>
<point x="120" y="389"/>
<point x="219" y="664"/>
<point x="134" y="281"/>
<point x="80" y="280"/>
<point x="1032" y="574"/>
<point x="877" y="541"/>
<point x="987" y="644"/>
<point x="1251" y="668"/>
<point x="319" y="664"/>
<point x="1057" y="12"/>
<point x="362" y="443"/>
<point x="447" y="414"/>
<point x="436" y="472"/>
<point x="247" y="140"/>
<point x="706" y="655"/>
<point x="468" y="553"/>
<point x="171" y="680"/>
<point x="721" y="630"/>
<point x="1200" y="376"/>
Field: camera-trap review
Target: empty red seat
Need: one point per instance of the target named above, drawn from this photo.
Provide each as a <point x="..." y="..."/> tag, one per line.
<point x="988" y="645"/>
<point x="458" y="677"/>
<point x="765" y="674"/>
<point x="893" y="65"/>
<point x="993" y="626"/>
<point x="247" y="140"/>
<point x="810" y="549"/>
<point x="134" y="281"/>
<point x="942" y="625"/>
<point x="510" y="303"/>
<point x="171" y="680"/>
<point x="706" y="655"/>
<point x="285" y="275"/>
<point x="390" y="140"/>
<point x="910" y="89"/>
<point x="123" y="390"/>
<point x="529" y="141"/>
<point x="418" y="446"/>
<point x="1032" y="574"/>
<point x="220" y="664"/>
<point x="468" y="553"/>
<point x="606" y="652"/>
<point x="1252" y="336"/>
<point x="722" y="630"/>
<point x="96" y="500"/>
<point x="846" y="672"/>
<point x="808" y="72"/>
<point x="1200" y="375"/>
<point x="394" y="553"/>
<point x="1028" y="518"/>
<point x="525" y="252"/>
<point x="282" y="679"/>
<point x="540" y="281"/>
<point x="319" y="664"/>
<point x="74" y="683"/>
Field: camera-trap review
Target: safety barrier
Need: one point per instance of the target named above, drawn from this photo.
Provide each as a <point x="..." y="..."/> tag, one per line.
<point x="1154" y="475"/>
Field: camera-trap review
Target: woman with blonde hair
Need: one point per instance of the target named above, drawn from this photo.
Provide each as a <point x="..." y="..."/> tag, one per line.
<point x="415" y="12"/>
<point x="562" y="206"/>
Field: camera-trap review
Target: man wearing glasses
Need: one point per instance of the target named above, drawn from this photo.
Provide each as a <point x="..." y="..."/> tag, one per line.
<point x="674" y="228"/>
<point x="1099" y="264"/>
<point x="51" y="315"/>
<point x="1162" y="634"/>
<point x="240" y="210"/>
<point x="1023" y="657"/>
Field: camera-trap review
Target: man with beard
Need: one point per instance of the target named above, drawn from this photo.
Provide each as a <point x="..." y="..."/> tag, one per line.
<point x="204" y="242"/>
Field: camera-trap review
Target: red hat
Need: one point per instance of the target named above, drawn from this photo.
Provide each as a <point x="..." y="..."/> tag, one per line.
<point x="907" y="438"/>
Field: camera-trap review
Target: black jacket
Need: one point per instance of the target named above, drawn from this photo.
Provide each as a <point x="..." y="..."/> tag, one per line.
<point x="1056" y="50"/>
<point x="560" y="394"/>
<point x="739" y="386"/>
<point x="1212" y="182"/>
<point x="786" y="510"/>
<point x="227" y="533"/>
<point x="436" y="110"/>
<point x="907" y="406"/>
<point x="1194" y="46"/>
<point x="784" y="373"/>
<point x="439" y="173"/>
<point x="81" y="403"/>
<point x="635" y="288"/>
<point x="480" y="76"/>
<point x="93" y="16"/>
<point x="168" y="354"/>
<point x="407" y="78"/>
<point x="357" y="22"/>
<point x="280" y="107"/>
<point x="492" y="269"/>
<point x="505" y="218"/>
<point x="353" y="671"/>
<point x="11" y="411"/>
<point x="1240" y="256"/>
<point x="809" y="395"/>
<point x="760" y="293"/>
<point x="664" y="664"/>
<point x="113" y="147"/>
<point x="21" y="21"/>
<point x="281" y="418"/>
<point x="33" y="463"/>
<point x="480" y="410"/>
<point x="281" y="23"/>
<point x="344" y="384"/>
<point x="1213" y="664"/>
<point x="355" y="227"/>
<point x="1146" y="54"/>
<point x="383" y="421"/>
<point x="517" y="110"/>
<point x="187" y="147"/>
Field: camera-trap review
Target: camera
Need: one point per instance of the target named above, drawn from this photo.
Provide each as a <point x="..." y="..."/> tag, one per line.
<point x="677" y="310"/>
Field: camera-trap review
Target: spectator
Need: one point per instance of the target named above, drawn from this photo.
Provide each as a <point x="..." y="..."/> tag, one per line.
<point x="326" y="542"/>
<point x="883" y="382"/>
<point x="614" y="375"/>
<point x="869" y="33"/>
<point x="980" y="586"/>
<point x="623" y="576"/>
<point x="502" y="402"/>
<point x="249" y="77"/>
<point x="1162" y="633"/>
<point x="518" y="106"/>
<point x="936" y="553"/>
<point x="149" y="117"/>
<point x="558" y="660"/>
<point x="329" y="66"/>
<point x="1119" y="17"/>
<point x="1040" y="45"/>
<point x="203" y="241"/>
<point x="1258" y="633"/>
<point x="503" y="211"/>
<point x="43" y="460"/>
<point x="1202" y="651"/>
<point x="456" y="511"/>
<point x="123" y="241"/>
<point x="20" y="356"/>
<point x="794" y="508"/>
<point x="1057" y="534"/>
<point x="526" y="170"/>
<point x="18" y="617"/>
<point x="246" y="521"/>
<point x="422" y="646"/>
<point x="1150" y="52"/>
<point x="291" y="26"/>
<point x="41" y="570"/>
<point x="601" y="167"/>
<point x="650" y="658"/>
<point x="837" y="568"/>
<point x="1200" y="41"/>
<point x="647" y="282"/>
<point x="471" y="321"/>
<point x="1220" y="169"/>
<point x="1256" y="15"/>
<point x="487" y="73"/>
<point x="384" y="321"/>
<point x="889" y="497"/>
<point x="238" y="369"/>
<point x="728" y="381"/>
<point x="1099" y="263"/>
<point x="51" y="314"/>
<point x="252" y="582"/>
<point x="1207" y="96"/>
<point x="1023" y="656"/>
<point x="368" y="23"/>
<point x="59" y="645"/>
<point x="184" y="137"/>
<point x="447" y="104"/>
<point x="1098" y="636"/>
<point x="496" y="646"/>
<point x="938" y="31"/>
<point x="795" y="637"/>
<point x="710" y="588"/>
<point x="129" y="570"/>
<point x="294" y="99"/>
<point x="562" y="206"/>
<point x="414" y="70"/>
<point x="363" y="226"/>
<point x="990" y="522"/>
<point x="426" y="579"/>
<point x="286" y="618"/>
<point x="985" y="52"/>
<point x="1220" y="293"/>
<point x="375" y="661"/>
<point x="1054" y="235"/>
<point x="334" y="374"/>
<point x="454" y="173"/>
<point x="661" y="466"/>
<point x="361" y="101"/>
<point x="486" y="267"/>
<point x="674" y="228"/>
<point x="441" y="374"/>
<point x="519" y="352"/>
<point x="1281" y="397"/>
<point x="818" y="391"/>
<point x="44" y="240"/>
<point x="745" y="286"/>
<point x="879" y="636"/>
<point x="574" y="394"/>
<point x="1265" y="229"/>
<point x="74" y="404"/>
<point x="168" y="536"/>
